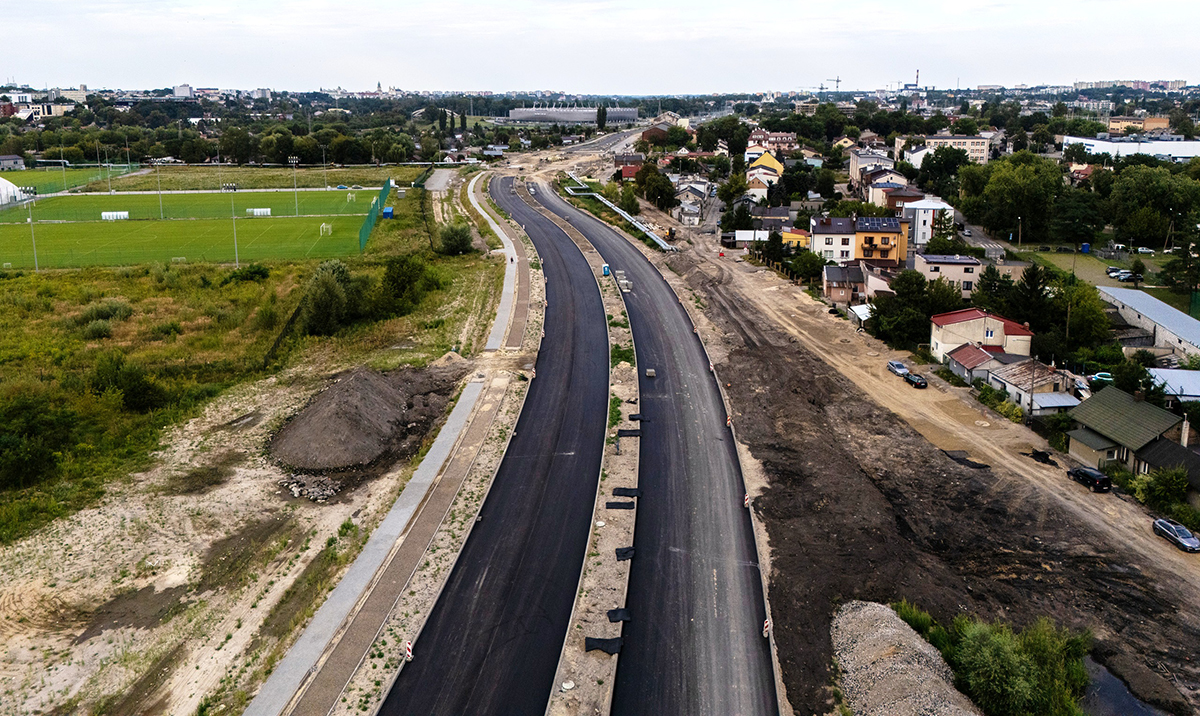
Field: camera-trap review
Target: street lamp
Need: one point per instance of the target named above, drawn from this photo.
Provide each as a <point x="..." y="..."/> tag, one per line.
<point x="324" y="171"/>
<point x="294" y="160"/>
<point x="31" y="191"/>
<point x="158" y="176"/>
<point x="1020" y="227"/>
<point x="231" y="188"/>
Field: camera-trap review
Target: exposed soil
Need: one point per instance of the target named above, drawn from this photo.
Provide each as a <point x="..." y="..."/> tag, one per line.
<point x="141" y="608"/>
<point x="861" y="506"/>
<point x="365" y="416"/>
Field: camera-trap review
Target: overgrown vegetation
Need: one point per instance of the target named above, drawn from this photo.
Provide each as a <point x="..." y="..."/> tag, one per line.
<point x="1037" y="670"/>
<point x="950" y="377"/>
<point x="614" y="411"/>
<point x="998" y="400"/>
<point x="623" y="353"/>
<point x="1163" y="490"/>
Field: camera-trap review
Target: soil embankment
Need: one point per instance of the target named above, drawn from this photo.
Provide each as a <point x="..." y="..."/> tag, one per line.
<point x="367" y="415"/>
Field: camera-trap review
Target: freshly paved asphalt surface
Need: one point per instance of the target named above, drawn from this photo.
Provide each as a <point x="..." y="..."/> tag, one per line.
<point x="695" y="644"/>
<point x="492" y="642"/>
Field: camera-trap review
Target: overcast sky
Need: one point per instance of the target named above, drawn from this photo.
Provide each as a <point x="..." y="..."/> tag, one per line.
<point x="593" y="46"/>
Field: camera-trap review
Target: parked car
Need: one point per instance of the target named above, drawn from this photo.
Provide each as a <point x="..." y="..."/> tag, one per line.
<point x="342" y="186"/>
<point x="1176" y="534"/>
<point x="1130" y="277"/>
<point x="1045" y="249"/>
<point x="915" y="380"/>
<point x="1113" y="270"/>
<point x="1103" y="377"/>
<point x="897" y="367"/>
<point x="966" y="232"/>
<point x="1145" y="250"/>
<point x="1091" y="478"/>
<point x="356" y="186"/>
<point x="1120" y="247"/>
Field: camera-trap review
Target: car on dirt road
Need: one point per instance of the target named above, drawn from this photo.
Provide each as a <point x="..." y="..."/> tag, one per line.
<point x="897" y="367"/>
<point x="915" y="380"/>
<point x="1146" y="250"/>
<point x="1091" y="478"/>
<point x="1176" y="534"/>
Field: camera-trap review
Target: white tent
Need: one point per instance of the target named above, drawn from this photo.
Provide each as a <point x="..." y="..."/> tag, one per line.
<point x="9" y="192"/>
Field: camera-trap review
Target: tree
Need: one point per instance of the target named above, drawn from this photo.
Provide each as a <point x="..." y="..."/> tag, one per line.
<point x="943" y="225"/>
<point x="601" y="117"/>
<point x="1018" y="140"/>
<point x="732" y="189"/>
<point x="1019" y="195"/>
<point x="1060" y="109"/>
<point x="1077" y="216"/>
<point x="628" y="201"/>
<point x="456" y="239"/>
<point x="405" y="282"/>
<point x="738" y="219"/>
<point x="1076" y="153"/>
<point x="324" y="302"/>
<point x="939" y="170"/>
<point x="442" y="120"/>
<point x="826" y="183"/>
<point x="808" y="266"/>
<point x="992" y="291"/>
<point x="942" y="296"/>
<point x="1138" y="267"/>
<point x="966" y="126"/>
<point x="773" y="249"/>
<point x="1029" y="303"/>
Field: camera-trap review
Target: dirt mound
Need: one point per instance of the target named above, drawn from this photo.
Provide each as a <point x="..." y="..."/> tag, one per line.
<point x="888" y="669"/>
<point x="365" y="415"/>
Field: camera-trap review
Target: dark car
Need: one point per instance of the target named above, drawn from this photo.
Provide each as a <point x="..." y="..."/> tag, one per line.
<point x="915" y="380"/>
<point x="1065" y="249"/>
<point x="1091" y="478"/>
<point x="1176" y="534"/>
<point x="1126" y="278"/>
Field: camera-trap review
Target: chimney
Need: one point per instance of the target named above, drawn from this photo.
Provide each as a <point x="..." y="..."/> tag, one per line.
<point x="1183" y="435"/>
<point x="1139" y="396"/>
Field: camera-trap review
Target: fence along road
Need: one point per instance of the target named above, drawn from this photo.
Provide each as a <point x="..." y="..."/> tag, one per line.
<point x="695" y="643"/>
<point x="492" y="642"/>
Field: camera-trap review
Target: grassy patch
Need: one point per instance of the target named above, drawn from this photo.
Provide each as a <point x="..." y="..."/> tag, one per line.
<point x="614" y="322"/>
<point x="211" y="178"/>
<point x="950" y="377"/>
<point x="623" y="353"/>
<point x="614" y="411"/>
<point x="49" y="180"/>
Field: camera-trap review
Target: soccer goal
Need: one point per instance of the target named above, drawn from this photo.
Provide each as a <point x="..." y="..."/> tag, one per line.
<point x="326" y="229"/>
<point x="350" y="197"/>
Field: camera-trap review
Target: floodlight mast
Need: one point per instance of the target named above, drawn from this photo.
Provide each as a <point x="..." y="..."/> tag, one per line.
<point x="294" y="160"/>
<point x="231" y="188"/>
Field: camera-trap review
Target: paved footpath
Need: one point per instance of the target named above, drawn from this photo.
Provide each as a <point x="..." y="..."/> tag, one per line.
<point x="517" y="268"/>
<point x="312" y="674"/>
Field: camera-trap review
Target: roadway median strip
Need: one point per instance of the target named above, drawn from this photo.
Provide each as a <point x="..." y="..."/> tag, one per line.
<point x="588" y="665"/>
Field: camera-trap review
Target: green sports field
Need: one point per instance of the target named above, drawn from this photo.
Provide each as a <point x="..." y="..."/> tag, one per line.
<point x="49" y="181"/>
<point x="118" y="243"/>
<point x="88" y="207"/>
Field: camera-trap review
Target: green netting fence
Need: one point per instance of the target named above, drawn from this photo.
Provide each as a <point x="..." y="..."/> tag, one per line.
<point x="372" y="217"/>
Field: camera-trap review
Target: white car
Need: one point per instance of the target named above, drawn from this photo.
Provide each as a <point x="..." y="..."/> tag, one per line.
<point x="1145" y="250"/>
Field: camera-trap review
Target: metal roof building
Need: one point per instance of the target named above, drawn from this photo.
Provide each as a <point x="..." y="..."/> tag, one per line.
<point x="1170" y="327"/>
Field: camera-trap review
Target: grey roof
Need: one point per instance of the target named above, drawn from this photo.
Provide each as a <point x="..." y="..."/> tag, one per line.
<point x="1168" y="454"/>
<point x="877" y="223"/>
<point x="1173" y="320"/>
<point x="832" y="225"/>
<point x="843" y="274"/>
<point x="1054" y="400"/>
<point x="779" y="212"/>
<point x="1093" y="440"/>
<point x="1120" y="417"/>
<point x="1177" y="381"/>
<point x="10" y="156"/>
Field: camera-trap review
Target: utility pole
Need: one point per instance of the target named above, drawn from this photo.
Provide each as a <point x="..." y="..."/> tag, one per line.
<point x="1020" y="226"/>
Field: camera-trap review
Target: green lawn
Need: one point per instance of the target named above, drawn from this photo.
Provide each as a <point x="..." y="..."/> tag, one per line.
<point x="121" y="243"/>
<point x="88" y="207"/>
<point x="50" y="180"/>
<point x="193" y="178"/>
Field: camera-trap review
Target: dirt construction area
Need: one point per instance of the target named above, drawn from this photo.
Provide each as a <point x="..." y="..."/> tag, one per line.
<point x="861" y="501"/>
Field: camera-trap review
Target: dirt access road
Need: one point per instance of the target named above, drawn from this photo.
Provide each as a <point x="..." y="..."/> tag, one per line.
<point x="862" y="503"/>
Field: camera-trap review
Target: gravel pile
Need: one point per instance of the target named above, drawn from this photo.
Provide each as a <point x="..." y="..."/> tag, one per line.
<point x="888" y="669"/>
<point x="317" y="488"/>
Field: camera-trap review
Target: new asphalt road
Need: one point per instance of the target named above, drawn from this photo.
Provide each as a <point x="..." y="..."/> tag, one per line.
<point x="695" y="644"/>
<point x="493" y="640"/>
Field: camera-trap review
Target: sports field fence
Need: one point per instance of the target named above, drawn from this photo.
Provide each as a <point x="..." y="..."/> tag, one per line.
<point x="372" y="217"/>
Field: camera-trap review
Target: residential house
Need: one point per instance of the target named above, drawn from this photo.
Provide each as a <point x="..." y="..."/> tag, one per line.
<point x="635" y="159"/>
<point x="1168" y="454"/>
<point x="1170" y="327"/>
<point x="1114" y="426"/>
<point x="692" y="193"/>
<point x="923" y="214"/>
<point x="1037" y="388"/>
<point x="1179" y="385"/>
<point x="796" y="239"/>
<point x="970" y="361"/>
<point x="877" y="192"/>
<point x="629" y="172"/>
<point x="843" y="285"/>
<point x="975" y="147"/>
<point x="843" y="142"/>
<point x="769" y="161"/>
<point x="782" y="141"/>
<point x="11" y="162"/>
<point x="832" y="238"/>
<point x="753" y="152"/>
<point x="766" y="174"/>
<point x="898" y="198"/>
<point x="749" y="238"/>
<point x="961" y="270"/>
<point x="862" y="160"/>
<point x="884" y="238"/>
<point x="867" y="138"/>
<point x="687" y="213"/>
<point x="756" y="188"/>
<point x="759" y="137"/>
<point x="1011" y="269"/>
<point x="656" y="133"/>
<point x="995" y="334"/>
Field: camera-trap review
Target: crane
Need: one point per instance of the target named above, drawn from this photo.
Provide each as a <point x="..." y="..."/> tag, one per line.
<point x="837" y="83"/>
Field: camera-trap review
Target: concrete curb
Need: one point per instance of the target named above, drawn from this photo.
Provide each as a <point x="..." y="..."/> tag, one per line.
<point x="508" y="294"/>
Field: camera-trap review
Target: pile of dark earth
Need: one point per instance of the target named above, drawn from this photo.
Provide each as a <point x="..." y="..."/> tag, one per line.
<point x="361" y="425"/>
<point x="861" y="506"/>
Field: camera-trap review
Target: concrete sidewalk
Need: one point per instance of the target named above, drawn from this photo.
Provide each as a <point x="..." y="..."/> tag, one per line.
<point x="505" y="310"/>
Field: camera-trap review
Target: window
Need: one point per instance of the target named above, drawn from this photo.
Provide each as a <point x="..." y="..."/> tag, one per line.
<point x="845" y="254"/>
<point x="828" y="241"/>
<point x="966" y="285"/>
<point x="884" y="241"/>
<point x="883" y="254"/>
<point x="828" y="254"/>
<point x="845" y="241"/>
<point x="969" y="269"/>
<point x="868" y="253"/>
<point x="935" y="269"/>
<point x="988" y="333"/>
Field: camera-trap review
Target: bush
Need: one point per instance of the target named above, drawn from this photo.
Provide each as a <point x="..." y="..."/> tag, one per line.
<point x="406" y="280"/>
<point x="456" y="239"/>
<point x="1012" y="411"/>
<point x="97" y="329"/>
<point x="1037" y="671"/>
<point x="110" y="310"/>
<point x="950" y="377"/>
<point x="139" y="392"/>
<point x="324" y="304"/>
<point x="34" y="433"/>
<point x="249" y="272"/>
<point x="621" y="353"/>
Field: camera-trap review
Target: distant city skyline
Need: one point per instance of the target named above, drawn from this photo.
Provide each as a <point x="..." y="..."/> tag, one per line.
<point x="591" y="46"/>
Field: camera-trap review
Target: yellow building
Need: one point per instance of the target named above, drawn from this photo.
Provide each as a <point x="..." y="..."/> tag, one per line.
<point x="1118" y="125"/>
<point x="766" y="160"/>
<point x="796" y="239"/>
<point x="883" y="238"/>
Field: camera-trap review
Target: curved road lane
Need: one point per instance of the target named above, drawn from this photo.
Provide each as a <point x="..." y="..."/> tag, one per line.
<point x="493" y="640"/>
<point x="695" y="644"/>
